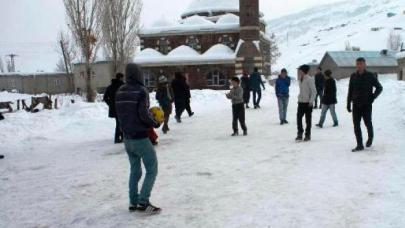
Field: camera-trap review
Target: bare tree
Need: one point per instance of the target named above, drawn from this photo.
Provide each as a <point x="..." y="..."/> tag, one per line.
<point x="394" y="41"/>
<point x="274" y="50"/>
<point x="1" y="66"/>
<point x="67" y="51"/>
<point x="83" y="23"/>
<point x="120" y="22"/>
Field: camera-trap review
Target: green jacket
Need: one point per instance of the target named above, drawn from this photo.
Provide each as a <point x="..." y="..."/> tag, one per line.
<point x="256" y="81"/>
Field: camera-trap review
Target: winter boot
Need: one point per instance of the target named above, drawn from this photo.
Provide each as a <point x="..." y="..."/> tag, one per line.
<point x="319" y="125"/>
<point x="307" y="138"/>
<point x="286" y="122"/>
<point x="148" y="209"/>
<point x="245" y="133"/>
<point x="191" y="114"/>
<point x="235" y="133"/>
<point x="335" y="125"/>
<point x="247" y="106"/>
<point x="358" y="149"/>
<point x="299" y="138"/>
<point x="178" y="119"/>
<point x="369" y="142"/>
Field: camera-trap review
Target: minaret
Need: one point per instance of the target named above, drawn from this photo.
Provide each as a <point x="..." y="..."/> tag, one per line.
<point x="249" y="55"/>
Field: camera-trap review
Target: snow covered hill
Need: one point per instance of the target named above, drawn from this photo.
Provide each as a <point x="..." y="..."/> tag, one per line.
<point x="307" y="35"/>
<point x="62" y="169"/>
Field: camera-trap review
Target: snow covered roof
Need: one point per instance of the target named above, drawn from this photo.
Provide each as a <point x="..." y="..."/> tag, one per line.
<point x="211" y="6"/>
<point x="194" y="24"/>
<point x="162" y="22"/>
<point x="373" y="58"/>
<point x="401" y="55"/>
<point x="185" y="55"/>
<point x="228" y="18"/>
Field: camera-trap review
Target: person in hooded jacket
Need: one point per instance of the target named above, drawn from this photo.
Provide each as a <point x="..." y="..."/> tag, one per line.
<point x="181" y="94"/>
<point x="329" y="100"/>
<point x="165" y="97"/>
<point x="319" y="84"/>
<point x="245" y="84"/>
<point x="256" y="84"/>
<point x="132" y="104"/>
<point x="109" y="99"/>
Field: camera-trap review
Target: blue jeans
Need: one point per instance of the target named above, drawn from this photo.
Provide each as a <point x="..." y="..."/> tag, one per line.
<point x="325" y="109"/>
<point x="282" y="107"/>
<point x="141" y="149"/>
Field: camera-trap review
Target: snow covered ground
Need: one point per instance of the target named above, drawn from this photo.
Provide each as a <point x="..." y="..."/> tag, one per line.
<point x="62" y="170"/>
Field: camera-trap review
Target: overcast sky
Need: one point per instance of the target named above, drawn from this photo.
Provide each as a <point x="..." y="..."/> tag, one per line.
<point x="29" y="27"/>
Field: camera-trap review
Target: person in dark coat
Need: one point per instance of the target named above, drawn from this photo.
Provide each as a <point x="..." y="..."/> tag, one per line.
<point x="109" y="98"/>
<point x="283" y="83"/>
<point x="245" y="84"/>
<point x="181" y="94"/>
<point x="256" y="84"/>
<point x="188" y="100"/>
<point x="165" y="97"/>
<point x="132" y="106"/>
<point x="329" y="100"/>
<point x="320" y="84"/>
<point x="361" y="97"/>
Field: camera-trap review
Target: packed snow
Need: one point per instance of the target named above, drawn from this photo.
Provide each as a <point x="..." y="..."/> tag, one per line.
<point x="62" y="169"/>
<point x="200" y="6"/>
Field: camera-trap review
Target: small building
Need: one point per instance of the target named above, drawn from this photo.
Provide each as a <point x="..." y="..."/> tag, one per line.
<point x="37" y="83"/>
<point x="401" y="65"/>
<point x="343" y="63"/>
<point x="102" y="73"/>
<point x="314" y="65"/>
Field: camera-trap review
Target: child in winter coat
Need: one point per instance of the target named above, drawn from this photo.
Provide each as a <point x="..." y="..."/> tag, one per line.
<point x="238" y="108"/>
<point x="165" y="97"/>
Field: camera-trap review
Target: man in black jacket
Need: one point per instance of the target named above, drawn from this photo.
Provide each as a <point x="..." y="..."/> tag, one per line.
<point x="329" y="100"/>
<point x="362" y="95"/>
<point x="109" y="98"/>
<point x="132" y="104"/>
<point x="181" y="94"/>
<point x="320" y="84"/>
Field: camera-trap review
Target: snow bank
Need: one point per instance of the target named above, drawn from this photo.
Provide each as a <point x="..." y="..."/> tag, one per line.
<point x="219" y="50"/>
<point x="183" y="51"/>
<point x="201" y="6"/>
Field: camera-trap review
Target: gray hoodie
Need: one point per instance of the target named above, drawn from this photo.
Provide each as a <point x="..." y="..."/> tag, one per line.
<point x="307" y="90"/>
<point x="236" y="95"/>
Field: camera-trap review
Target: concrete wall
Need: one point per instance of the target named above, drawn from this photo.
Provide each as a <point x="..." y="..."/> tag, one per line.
<point x="101" y="76"/>
<point x="50" y="83"/>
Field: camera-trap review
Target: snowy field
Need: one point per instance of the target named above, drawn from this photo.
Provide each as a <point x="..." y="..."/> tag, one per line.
<point x="62" y="169"/>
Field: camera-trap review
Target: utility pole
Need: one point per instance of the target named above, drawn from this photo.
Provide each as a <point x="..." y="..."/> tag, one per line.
<point x="11" y="66"/>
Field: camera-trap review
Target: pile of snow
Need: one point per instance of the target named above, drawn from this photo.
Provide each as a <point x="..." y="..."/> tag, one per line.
<point x="183" y="51"/>
<point x="196" y="21"/>
<point x="228" y="18"/>
<point x="162" y="22"/>
<point x="149" y="53"/>
<point x="401" y="55"/>
<point x="211" y="6"/>
<point x="219" y="50"/>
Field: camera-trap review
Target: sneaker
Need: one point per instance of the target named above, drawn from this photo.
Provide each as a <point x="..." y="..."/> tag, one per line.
<point x="235" y="134"/>
<point x="358" y="149"/>
<point x="307" y="138"/>
<point x="245" y="133"/>
<point x="247" y="106"/>
<point x="282" y="123"/>
<point x="299" y="138"/>
<point x="335" y="125"/>
<point x="191" y="114"/>
<point x="178" y="119"/>
<point x="369" y="143"/>
<point x="148" y="209"/>
<point x="319" y="125"/>
<point x="132" y="208"/>
<point x="286" y="122"/>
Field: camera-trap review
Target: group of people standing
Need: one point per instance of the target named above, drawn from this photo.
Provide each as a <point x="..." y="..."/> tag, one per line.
<point x="364" y="88"/>
<point x="134" y="120"/>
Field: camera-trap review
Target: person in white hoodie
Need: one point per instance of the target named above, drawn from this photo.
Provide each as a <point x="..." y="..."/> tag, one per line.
<point x="306" y="100"/>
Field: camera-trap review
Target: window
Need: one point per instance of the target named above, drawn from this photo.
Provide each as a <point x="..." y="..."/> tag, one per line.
<point x="216" y="78"/>
<point x="12" y="84"/>
<point x="57" y="82"/>
<point x="193" y="42"/>
<point x="164" y="45"/>
<point x="149" y="79"/>
<point x="227" y="40"/>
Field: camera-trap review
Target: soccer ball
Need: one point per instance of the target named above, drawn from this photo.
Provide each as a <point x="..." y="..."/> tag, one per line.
<point x="158" y="114"/>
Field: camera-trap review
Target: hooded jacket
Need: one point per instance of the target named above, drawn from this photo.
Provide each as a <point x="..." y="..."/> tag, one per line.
<point x="132" y="104"/>
<point x="109" y="96"/>
<point x="181" y="89"/>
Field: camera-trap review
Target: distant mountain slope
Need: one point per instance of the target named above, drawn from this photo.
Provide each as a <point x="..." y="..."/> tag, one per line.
<point x="307" y="35"/>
